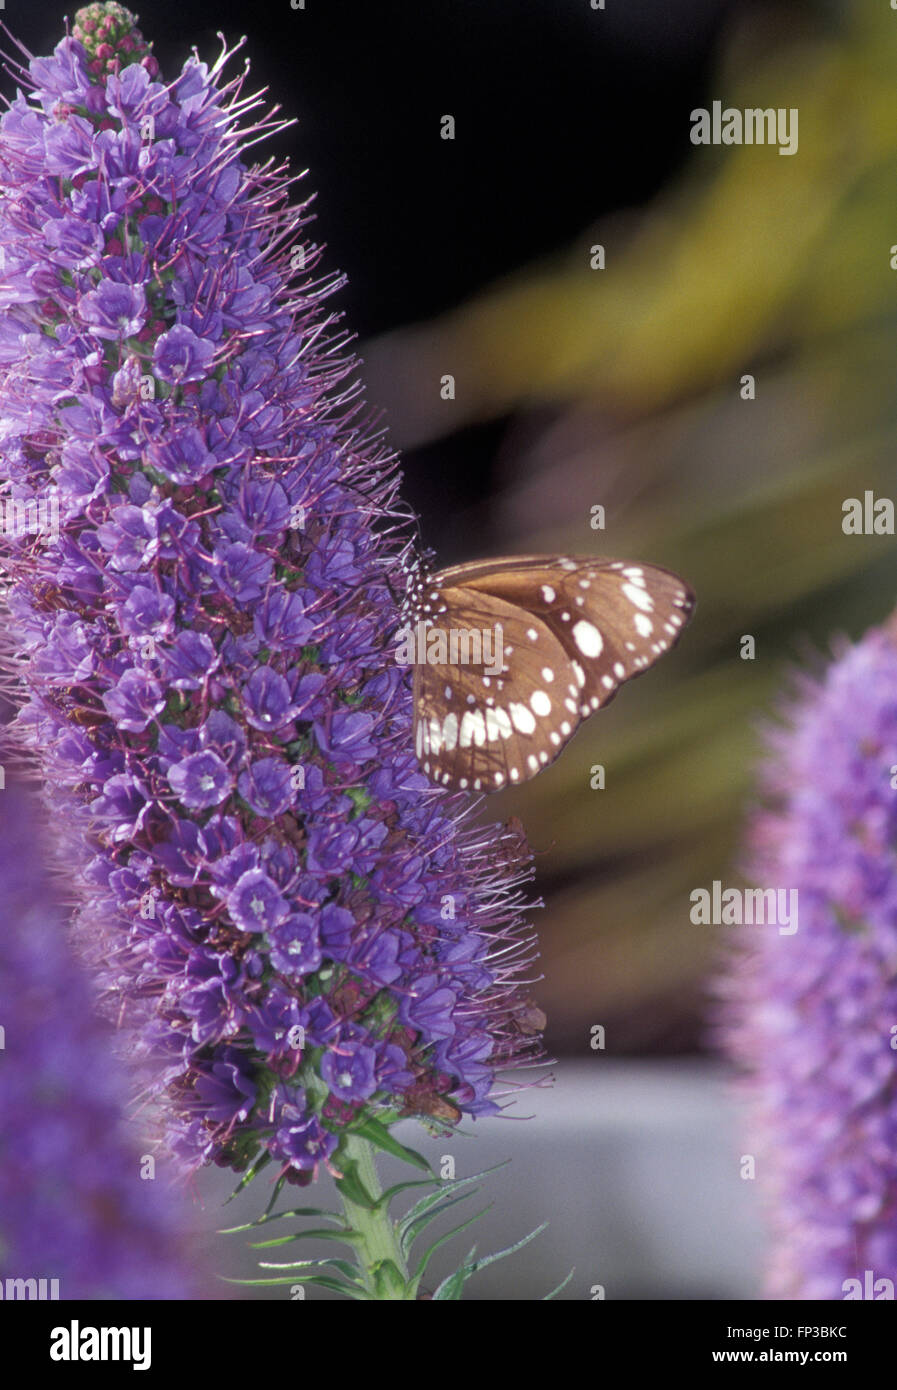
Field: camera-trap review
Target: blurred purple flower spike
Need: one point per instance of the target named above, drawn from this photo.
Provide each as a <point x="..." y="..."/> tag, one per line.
<point x="812" y="1016"/>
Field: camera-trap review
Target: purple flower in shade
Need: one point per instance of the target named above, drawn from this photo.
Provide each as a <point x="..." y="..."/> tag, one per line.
<point x="130" y="537"/>
<point x="189" y="660"/>
<point x="183" y="456"/>
<point x="112" y="310"/>
<point x="227" y="1091"/>
<point x="295" y="947"/>
<point x="180" y="355"/>
<point x="243" y="572"/>
<point x="73" y="1204"/>
<point x="251" y="768"/>
<point x="810" y="1015"/>
<point x="266" y="700"/>
<point x="300" y="1139"/>
<point x="267" y="785"/>
<point x="255" y="903"/>
<point x="350" y="1070"/>
<point x="147" y="611"/>
<point x="201" y="781"/>
<point x="134" y="700"/>
<point x="280" y="621"/>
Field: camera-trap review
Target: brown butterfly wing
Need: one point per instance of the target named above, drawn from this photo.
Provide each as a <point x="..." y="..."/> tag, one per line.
<point x="479" y="731"/>
<point x="614" y="618"/>
<point x="573" y="629"/>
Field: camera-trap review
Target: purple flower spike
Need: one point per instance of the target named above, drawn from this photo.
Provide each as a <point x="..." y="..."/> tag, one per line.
<point x="268" y="787"/>
<point x="351" y="1071"/>
<point x="211" y="695"/>
<point x="79" y="1201"/>
<point x="113" y="311"/>
<point x="811" y="1013"/>
<point x="255" y="904"/>
<point x="200" y="781"/>
<point x="180" y="355"/>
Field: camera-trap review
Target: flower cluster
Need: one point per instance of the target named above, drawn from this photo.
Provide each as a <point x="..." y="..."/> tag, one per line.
<point x="78" y="1203"/>
<point x="297" y="921"/>
<point x="813" y="1017"/>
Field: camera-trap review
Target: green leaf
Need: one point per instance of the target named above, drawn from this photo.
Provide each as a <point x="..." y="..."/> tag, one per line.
<point x="251" y="1172"/>
<point x="352" y="1189"/>
<point x="278" y="1188"/>
<point x="411" y="1232"/>
<point x="279" y="1215"/>
<point x="346" y="1237"/>
<point x="444" y="1188"/>
<point x="386" y="1197"/>
<point x="449" y="1235"/>
<point x="322" y="1280"/>
<point x="389" y="1283"/>
<point x="452" y="1286"/>
<point x="509" y="1250"/>
<point x="381" y="1138"/>
<point x="342" y="1265"/>
<point x="350" y="1271"/>
<point x="562" y="1285"/>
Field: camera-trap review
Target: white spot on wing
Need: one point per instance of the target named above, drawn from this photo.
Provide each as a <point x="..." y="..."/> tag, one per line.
<point x="639" y="597"/>
<point x="588" y="639"/>
<point x="524" y="722"/>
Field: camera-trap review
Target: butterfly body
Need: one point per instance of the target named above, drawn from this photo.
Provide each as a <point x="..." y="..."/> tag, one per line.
<point x="513" y="654"/>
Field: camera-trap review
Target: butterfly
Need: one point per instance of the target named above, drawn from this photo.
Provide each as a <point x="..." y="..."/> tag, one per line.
<point x="511" y="655"/>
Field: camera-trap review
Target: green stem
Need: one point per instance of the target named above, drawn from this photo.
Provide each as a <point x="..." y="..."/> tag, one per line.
<point x="382" y="1263"/>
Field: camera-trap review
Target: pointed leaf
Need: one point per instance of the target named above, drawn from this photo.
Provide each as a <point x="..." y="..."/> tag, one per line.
<point x="452" y="1286"/>
<point x="344" y="1236"/>
<point x="562" y="1285"/>
<point x="278" y="1188"/>
<point x="509" y="1250"/>
<point x="446" y="1186"/>
<point x="381" y="1138"/>
<point x="353" y="1189"/>
<point x="389" y="1283"/>
<point x="322" y="1280"/>
<point x="251" y="1172"/>
<point x="410" y="1234"/>
<point x="449" y="1235"/>
<point x="386" y="1197"/>
<point x="279" y="1215"/>
<point x="341" y="1265"/>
